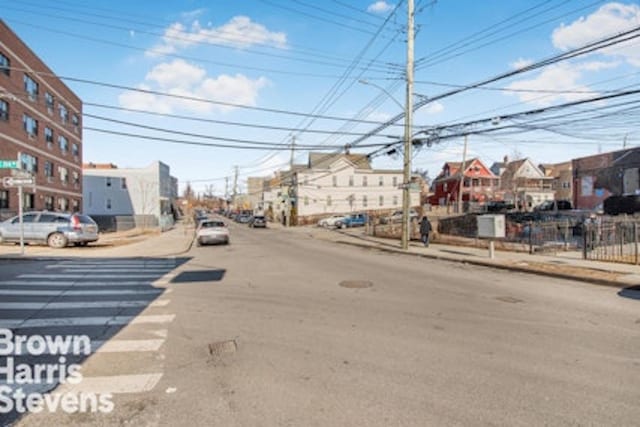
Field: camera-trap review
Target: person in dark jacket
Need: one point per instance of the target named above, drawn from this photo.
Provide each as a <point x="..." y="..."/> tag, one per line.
<point x="425" y="229"/>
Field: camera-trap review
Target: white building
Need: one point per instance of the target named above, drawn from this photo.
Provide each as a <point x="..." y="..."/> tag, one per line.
<point x="344" y="183"/>
<point x="130" y="197"/>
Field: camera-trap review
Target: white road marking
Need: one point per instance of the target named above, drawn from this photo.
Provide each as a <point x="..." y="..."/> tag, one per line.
<point x="86" y="321"/>
<point x="117" y="384"/>
<point x="123" y="346"/>
<point x="152" y="291"/>
<point x="157" y="271"/>
<point x="80" y="305"/>
<point x="87" y="276"/>
<point x="74" y="283"/>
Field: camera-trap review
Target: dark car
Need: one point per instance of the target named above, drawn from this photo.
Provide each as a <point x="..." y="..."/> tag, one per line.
<point x="243" y="218"/>
<point x="258" y="221"/>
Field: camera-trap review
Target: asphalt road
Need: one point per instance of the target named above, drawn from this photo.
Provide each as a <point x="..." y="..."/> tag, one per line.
<point x="263" y="334"/>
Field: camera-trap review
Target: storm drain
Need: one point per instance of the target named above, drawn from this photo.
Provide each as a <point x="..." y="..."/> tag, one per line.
<point x="223" y="347"/>
<point x="356" y="284"/>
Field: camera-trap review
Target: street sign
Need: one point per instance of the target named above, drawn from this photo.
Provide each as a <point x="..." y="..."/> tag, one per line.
<point x="8" y="164"/>
<point x="11" y="181"/>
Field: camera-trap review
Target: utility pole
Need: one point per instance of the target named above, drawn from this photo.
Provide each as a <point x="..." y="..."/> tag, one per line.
<point x="624" y="141"/>
<point x="290" y="193"/>
<point x="463" y="166"/>
<point x="408" y="147"/>
<point x="226" y="192"/>
<point x="235" y="187"/>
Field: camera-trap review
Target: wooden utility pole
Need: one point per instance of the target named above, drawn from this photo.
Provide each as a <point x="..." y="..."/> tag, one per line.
<point x="408" y="146"/>
<point x="463" y="166"/>
<point x="235" y="187"/>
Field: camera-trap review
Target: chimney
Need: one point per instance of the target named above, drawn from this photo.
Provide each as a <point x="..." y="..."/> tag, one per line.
<point x="506" y="159"/>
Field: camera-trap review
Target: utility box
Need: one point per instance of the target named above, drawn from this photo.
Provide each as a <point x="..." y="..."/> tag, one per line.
<point x="491" y="226"/>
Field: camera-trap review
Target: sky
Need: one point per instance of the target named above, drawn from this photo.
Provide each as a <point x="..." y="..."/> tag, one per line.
<point x="205" y="86"/>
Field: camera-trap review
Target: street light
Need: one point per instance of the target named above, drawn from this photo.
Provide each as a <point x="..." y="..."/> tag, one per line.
<point x="366" y="82"/>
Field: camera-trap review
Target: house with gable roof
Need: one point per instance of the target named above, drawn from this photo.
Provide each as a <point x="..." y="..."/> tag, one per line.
<point x="480" y="183"/>
<point x="523" y="183"/>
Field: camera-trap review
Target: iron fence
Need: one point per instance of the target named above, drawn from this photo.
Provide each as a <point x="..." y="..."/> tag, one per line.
<point x="613" y="239"/>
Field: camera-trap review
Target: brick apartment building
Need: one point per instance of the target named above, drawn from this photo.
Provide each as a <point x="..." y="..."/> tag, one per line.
<point x="40" y="126"/>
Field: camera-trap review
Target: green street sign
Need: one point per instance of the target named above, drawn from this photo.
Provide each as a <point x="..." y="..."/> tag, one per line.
<point x="8" y="164"/>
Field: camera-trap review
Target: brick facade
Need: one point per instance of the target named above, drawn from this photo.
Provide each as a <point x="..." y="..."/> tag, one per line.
<point x="31" y="97"/>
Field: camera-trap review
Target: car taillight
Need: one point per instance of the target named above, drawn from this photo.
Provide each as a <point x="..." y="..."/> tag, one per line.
<point x="75" y="223"/>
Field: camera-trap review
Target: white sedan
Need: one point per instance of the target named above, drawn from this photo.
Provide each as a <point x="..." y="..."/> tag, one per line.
<point x="212" y="231"/>
<point x="331" y="221"/>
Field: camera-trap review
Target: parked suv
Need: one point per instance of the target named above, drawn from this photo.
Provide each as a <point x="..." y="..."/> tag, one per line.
<point x="55" y="229"/>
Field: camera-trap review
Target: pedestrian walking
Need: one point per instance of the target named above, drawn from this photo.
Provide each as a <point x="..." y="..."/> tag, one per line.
<point x="425" y="229"/>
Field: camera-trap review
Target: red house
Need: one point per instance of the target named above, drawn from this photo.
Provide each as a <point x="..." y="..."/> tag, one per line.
<point x="480" y="184"/>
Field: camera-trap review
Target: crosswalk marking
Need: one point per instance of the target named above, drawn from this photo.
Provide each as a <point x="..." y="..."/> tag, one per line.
<point x="81" y="305"/>
<point x="116" y="384"/>
<point x="122" y="346"/>
<point x="86" y="321"/>
<point x="74" y="282"/>
<point x="151" y="291"/>
<point x="82" y="276"/>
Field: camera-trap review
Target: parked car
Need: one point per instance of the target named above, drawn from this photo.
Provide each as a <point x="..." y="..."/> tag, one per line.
<point x="397" y="217"/>
<point x="497" y="206"/>
<point x="258" y="221"/>
<point x="243" y="218"/>
<point x="330" y="221"/>
<point x="52" y="228"/>
<point x="212" y="231"/>
<point x="627" y="204"/>
<point x="354" y="220"/>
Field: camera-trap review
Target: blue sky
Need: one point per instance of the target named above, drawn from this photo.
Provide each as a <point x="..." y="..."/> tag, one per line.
<point x="306" y="57"/>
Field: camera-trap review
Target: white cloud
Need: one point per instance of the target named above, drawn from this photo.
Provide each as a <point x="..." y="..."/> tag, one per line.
<point x="434" y="108"/>
<point x="240" y="32"/>
<point x="379" y="7"/>
<point x="521" y="63"/>
<point x="186" y="80"/>
<point x="608" y="20"/>
<point x="379" y="116"/>
<point x="560" y="78"/>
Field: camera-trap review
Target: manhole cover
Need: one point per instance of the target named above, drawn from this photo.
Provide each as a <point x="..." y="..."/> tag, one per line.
<point x="223" y="347"/>
<point x="356" y="284"/>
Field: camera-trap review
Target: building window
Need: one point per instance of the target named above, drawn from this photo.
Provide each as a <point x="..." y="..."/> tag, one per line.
<point x="395" y="200"/>
<point x="364" y="201"/>
<point x="64" y="174"/>
<point x="306" y="200"/>
<point x="75" y="121"/>
<point x="4" y="110"/>
<point x="75" y="205"/>
<point x="28" y="163"/>
<point x="566" y="184"/>
<point x="108" y="204"/>
<point x="28" y="201"/>
<point x="64" y="114"/>
<point x="48" y="203"/>
<point x="123" y="183"/>
<point x="395" y="182"/>
<point x="351" y="181"/>
<point x="4" y="199"/>
<point x="108" y="181"/>
<point x="328" y="200"/>
<point x="5" y="65"/>
<point x="75" y="150"/>
<point x="381" y="200"/>
<point x="381" y="181"/>
<point x="63" y="204"/>
<point x="31" y="87"/>
<point x="30" y="125"/>
<point x="48" y="137"/>
<point x="48" y="169"/>
<point x="76" y="177"/>
<point x="335" y="181"/>
<point x="364" y="181"/>
<point x="444" y="187"/>
<point x="48" y="101"/>
<point x="63" y="143"/>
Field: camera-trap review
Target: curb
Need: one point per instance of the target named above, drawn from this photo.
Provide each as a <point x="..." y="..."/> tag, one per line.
<point x="520" y="269"/>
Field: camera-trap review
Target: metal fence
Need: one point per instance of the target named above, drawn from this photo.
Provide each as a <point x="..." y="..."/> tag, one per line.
<point x="613" y="239"/>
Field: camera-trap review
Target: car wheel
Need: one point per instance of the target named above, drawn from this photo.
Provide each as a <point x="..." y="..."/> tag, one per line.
<point x="342" y="225"/>
<point x="57" y="240"/>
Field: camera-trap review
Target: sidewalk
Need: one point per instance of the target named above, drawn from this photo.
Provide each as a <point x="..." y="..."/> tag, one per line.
<point x="565" y="265"/>
<point x="130" y="243"/>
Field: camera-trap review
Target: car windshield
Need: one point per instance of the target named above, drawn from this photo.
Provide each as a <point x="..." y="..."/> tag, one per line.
<point x="212" y="224"/>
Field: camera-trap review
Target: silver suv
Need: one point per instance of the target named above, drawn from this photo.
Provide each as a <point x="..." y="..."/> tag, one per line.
<point x="55" y="229"/>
